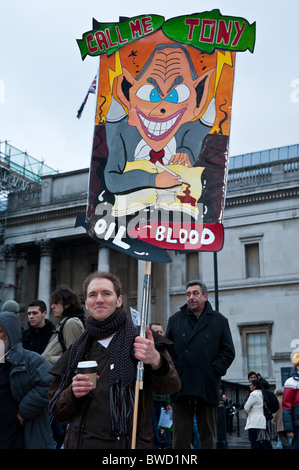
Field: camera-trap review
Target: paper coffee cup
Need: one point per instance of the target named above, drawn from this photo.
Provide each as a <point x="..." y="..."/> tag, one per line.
<point x="89" y="368"/>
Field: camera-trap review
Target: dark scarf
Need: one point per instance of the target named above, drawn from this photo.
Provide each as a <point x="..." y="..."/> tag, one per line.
<point x="123" y="374"/>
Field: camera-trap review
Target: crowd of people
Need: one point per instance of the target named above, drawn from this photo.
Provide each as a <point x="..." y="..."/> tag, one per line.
<point x="50" y="404"/>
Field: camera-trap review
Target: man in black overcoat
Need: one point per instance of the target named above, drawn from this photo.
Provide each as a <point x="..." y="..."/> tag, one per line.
<point x="203" y="350"/>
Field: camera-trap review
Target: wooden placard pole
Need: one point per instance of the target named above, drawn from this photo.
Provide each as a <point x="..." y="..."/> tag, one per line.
<point x="140" y="366"/>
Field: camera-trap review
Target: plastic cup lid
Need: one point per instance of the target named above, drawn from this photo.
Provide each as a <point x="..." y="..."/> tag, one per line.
<point x="84" y="364"/>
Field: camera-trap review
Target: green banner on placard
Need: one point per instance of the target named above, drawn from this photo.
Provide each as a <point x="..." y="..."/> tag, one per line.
<point x="110" y="37"/>
<point x="206" y="31"/>
<point x="210" y="30"/>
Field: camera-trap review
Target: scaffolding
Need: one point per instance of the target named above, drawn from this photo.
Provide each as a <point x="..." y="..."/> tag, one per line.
<point x="18" y="172"/>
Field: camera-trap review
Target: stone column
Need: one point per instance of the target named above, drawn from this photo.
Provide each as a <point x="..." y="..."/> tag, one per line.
<point x="10" y="256"/>
<point x="45" y="270"/>
<point x="104" y="259"/>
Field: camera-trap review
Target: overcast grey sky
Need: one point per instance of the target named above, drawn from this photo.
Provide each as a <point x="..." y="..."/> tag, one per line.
<point x="43" y="80"/>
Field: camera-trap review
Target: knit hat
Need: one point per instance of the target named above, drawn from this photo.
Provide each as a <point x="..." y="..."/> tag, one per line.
<point x="10" y="306"/>
<point x="295" y="359"/>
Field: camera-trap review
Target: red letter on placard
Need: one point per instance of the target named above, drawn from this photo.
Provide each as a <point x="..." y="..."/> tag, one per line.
<point x="224" y="33"/>
<point x="112" y="44"/>
<point x="191" y="22"/>
<point x="101" y="40"/>
<point x="91" y="48"/>
<point x="239" y="33"/>
<point x="135" y="28"/>
<point x="147" y="28"/>
<point x="212" y="26"/>
<point x="121" y="41"/>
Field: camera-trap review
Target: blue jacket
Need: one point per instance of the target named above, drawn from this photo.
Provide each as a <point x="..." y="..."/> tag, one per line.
<point x="203" y="350"/>
<point x="29" y="384"/>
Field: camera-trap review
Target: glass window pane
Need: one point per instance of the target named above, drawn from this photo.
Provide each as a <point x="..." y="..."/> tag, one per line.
<point x="252" y="260"/>
<point x="257" y="353"/>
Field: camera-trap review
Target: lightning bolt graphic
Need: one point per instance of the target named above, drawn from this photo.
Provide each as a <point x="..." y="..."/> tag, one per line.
<point x="112" y="74"/>
<point x="222" y="59"/>
<point x="115" y="73"/>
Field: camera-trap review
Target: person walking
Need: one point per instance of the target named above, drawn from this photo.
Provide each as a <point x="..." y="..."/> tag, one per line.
<point x="102" y="418"/>
<point x="37" y="336"/>
<point x="256" y="422"/>
<point x="203" y="350"/>
<point x="24" y="385"/>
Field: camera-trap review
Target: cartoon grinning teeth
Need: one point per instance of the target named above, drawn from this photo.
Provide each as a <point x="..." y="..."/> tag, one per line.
<point x="158" y="128"/>
<point x="150" y="126"/>
<point x="164" y="127"/>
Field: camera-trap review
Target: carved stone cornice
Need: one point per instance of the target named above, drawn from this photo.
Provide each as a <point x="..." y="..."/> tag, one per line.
<point x="43" y="216"/>
<point x="261" y="197"/>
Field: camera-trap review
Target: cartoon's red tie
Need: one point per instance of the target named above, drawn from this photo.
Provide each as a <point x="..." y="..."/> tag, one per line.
<point x="157" y="156"/>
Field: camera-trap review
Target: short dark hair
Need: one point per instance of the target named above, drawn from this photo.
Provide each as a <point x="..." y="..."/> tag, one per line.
<point x="103" y="275"/>
<point x="251" y="373"/>
<point x="197" y="282"/>
<point x="66" y="296"/>
<point x="257" y="384"/>
<point x="155" y="323"/>
<point x="38" y="303"/>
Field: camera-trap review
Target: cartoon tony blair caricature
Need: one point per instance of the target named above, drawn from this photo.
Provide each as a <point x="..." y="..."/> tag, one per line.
<point x="162" y="125"/>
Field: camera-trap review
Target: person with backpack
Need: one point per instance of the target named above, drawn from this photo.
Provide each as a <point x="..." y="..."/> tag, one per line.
<point x="270" y="399"/>
<point x="256" y="420"/>
<point x="66" y="306"/>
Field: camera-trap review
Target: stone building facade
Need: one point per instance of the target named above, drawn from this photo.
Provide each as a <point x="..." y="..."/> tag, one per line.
<point x="254" y="279"/>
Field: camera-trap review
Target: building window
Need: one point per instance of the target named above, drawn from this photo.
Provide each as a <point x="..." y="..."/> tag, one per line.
<point x="252" y="260"/>
<point x="192" y="266"/>
<point x="252" y="255"/>
<point x="256" y="350"/>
